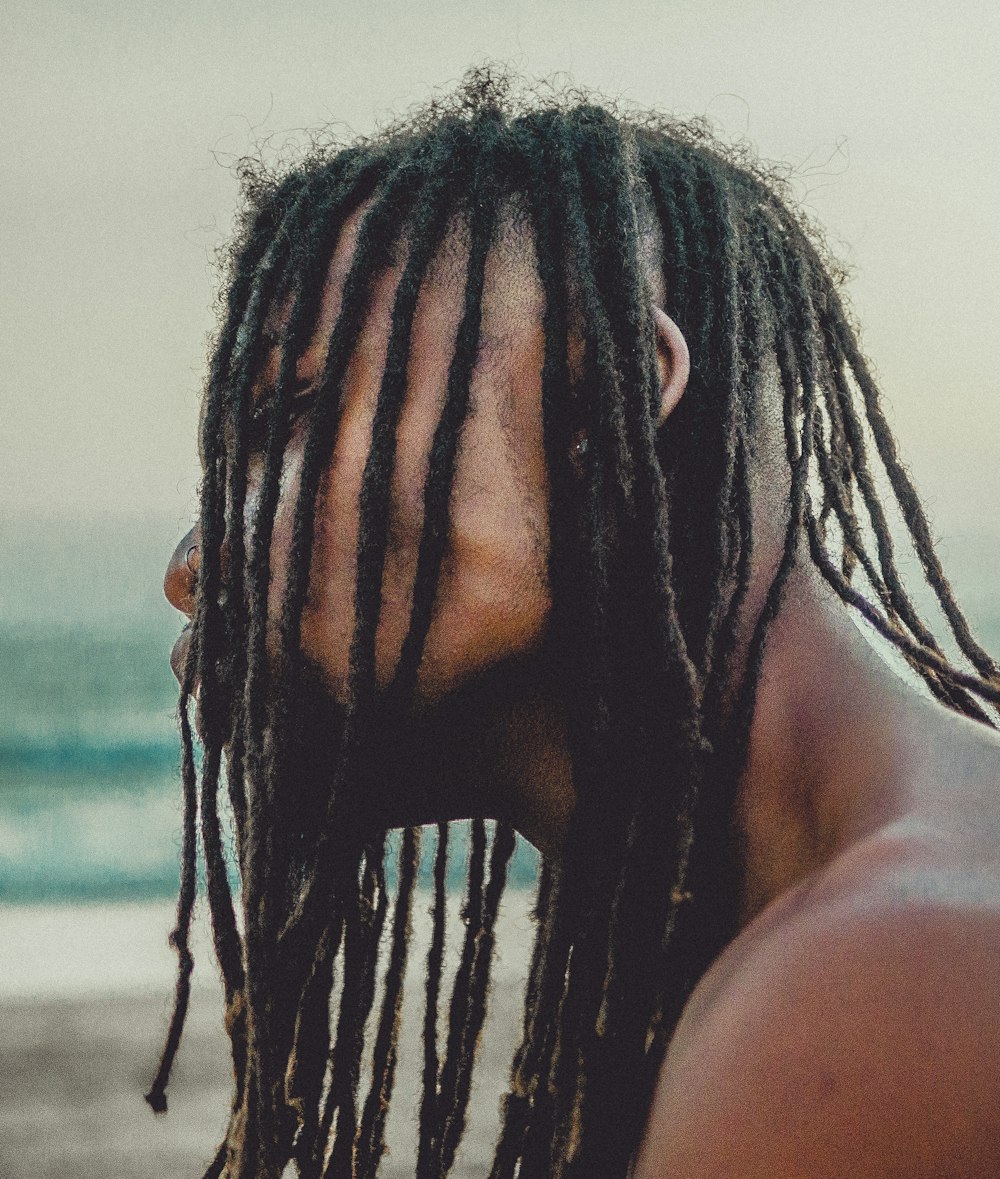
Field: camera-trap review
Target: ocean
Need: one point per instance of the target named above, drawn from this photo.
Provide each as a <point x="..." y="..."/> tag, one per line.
<point x="89" y="755"/>
<point x="89" y="855"/>
<point x="90" y="800"/>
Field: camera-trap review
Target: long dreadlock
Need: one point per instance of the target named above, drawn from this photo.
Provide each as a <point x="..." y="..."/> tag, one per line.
<point x="650" y="560"/>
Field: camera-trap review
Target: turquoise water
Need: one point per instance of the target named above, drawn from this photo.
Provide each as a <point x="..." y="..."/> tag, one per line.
<point x="89" y="783"/>
<point x="88" y="765"/>
<point x="89" y="769"/>
<point x="90" y="804"/>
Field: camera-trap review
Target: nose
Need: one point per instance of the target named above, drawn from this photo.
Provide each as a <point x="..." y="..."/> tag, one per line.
<point x="182" y="573"/>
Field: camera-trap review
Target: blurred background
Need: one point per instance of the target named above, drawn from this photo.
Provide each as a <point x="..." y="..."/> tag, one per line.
<point x="122" y="123"/>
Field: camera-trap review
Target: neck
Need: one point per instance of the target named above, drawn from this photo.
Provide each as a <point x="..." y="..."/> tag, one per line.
<point x="838" y="747"/>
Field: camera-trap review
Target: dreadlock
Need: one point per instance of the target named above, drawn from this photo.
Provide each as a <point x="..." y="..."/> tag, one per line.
<point x="650" y="560"/>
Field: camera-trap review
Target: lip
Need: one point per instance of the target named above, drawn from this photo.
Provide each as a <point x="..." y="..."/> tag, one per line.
<point x="178" y="653"/>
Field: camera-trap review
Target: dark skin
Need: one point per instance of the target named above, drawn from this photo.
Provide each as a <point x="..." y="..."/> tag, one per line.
<point x="848" y="1029"/>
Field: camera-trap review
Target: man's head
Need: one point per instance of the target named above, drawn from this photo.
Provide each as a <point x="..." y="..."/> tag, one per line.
<point x="491" y="600"/>
<point x="508" y="404"/>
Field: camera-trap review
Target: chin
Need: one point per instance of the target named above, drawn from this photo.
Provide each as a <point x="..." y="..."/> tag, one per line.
<point x="433" y="760"/>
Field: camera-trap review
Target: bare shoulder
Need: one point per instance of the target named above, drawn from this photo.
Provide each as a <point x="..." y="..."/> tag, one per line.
<point x="850" y="1030"/>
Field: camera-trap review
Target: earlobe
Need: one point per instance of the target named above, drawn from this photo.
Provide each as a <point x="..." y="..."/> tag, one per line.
<point x="673" y="363"/>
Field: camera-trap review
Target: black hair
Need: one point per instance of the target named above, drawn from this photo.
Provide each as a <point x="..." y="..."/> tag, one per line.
<point x="649" y="566"/>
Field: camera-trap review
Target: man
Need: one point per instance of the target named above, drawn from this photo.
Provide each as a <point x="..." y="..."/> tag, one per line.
<point x="539" y="487"/>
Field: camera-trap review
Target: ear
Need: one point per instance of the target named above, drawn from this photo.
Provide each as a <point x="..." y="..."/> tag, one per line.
<point x="673" y="362"/>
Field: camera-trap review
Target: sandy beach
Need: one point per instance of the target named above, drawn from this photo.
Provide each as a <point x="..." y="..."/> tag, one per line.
<point x="84" y="999"/>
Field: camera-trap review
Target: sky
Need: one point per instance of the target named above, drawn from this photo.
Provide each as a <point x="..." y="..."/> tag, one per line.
<point x="122" y="122"/>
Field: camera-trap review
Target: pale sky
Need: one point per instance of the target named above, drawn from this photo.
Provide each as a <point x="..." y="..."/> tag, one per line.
<point x="119" y="121"/>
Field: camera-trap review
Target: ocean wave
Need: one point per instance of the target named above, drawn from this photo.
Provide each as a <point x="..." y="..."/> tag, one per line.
<point x="73" y="752"/>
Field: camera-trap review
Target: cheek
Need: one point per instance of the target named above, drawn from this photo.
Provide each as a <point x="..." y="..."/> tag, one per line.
<point x="494" y="600"/>
<point x="328" y="613"/>
<point x="492" y="595"/>
<point x="494" y="603"/>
